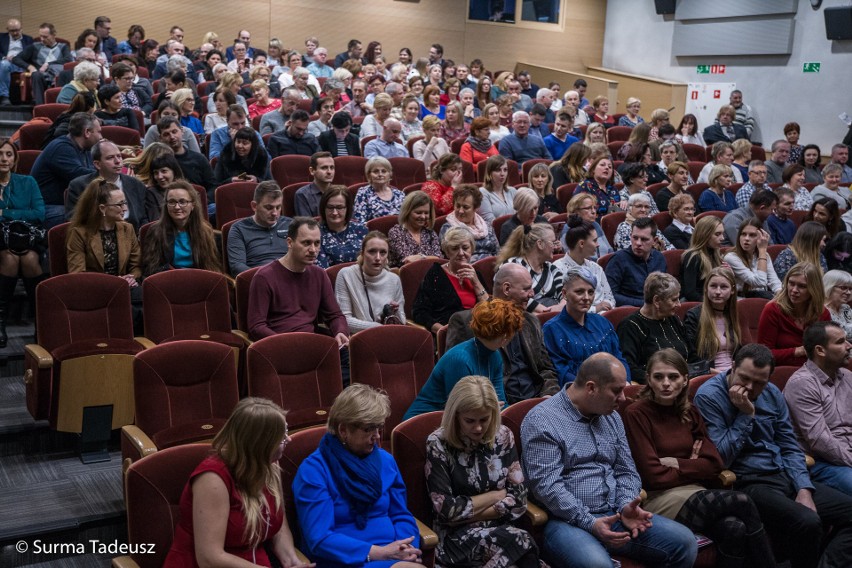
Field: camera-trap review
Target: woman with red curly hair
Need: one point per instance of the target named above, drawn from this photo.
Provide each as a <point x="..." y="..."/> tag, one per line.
<point x="493" y="324"/>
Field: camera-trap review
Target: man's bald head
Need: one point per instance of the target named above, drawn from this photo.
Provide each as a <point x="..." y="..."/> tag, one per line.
<point x="512" y="282"/>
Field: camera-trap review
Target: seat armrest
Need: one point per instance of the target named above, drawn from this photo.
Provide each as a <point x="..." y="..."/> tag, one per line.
<point x="124" y="562"/>
<point x="809" y="461"/>
<point x="302" y="558"/>
<point x="140" y="440"/>
<point x="727" y="477"/>
<point x="536" y="515"/>
<point x="412" y="324"/>
<point x="242" y="335"/>
<point x="39" y="354"/>
<point x="144" y="342"/>
<point x="428" y="538"/>
<point x="643" y="495"/>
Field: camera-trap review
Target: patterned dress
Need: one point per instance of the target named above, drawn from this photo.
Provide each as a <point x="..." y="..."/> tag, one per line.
<point x="368" y="205"/>
<point x="454" y="476"/>
<point x="340" y="247"/>
<point x="608" y="196"/>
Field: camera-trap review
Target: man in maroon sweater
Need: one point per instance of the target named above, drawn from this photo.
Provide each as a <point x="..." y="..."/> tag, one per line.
<point x="292" y="293"/>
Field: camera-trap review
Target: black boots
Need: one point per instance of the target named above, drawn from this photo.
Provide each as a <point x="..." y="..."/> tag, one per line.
<point x="7" y="289"/>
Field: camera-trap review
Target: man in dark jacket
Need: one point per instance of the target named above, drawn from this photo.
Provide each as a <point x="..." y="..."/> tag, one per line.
<point x="12" y="43"/>
<point x="294" y="140"/>
<point x="44" y="60"/>
<point x="527" y="369"/>
<point x="725" y="129"/>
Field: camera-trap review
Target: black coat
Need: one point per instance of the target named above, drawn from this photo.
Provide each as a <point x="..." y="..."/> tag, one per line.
<point x="436" y="300"/>
<point x="714" y="133"/>
<point x="677" y="237"/>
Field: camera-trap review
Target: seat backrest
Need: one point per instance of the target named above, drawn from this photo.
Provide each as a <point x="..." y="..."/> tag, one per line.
<point x="365" y="140"/>
<point x="57" y="254"/>
<point x="782" y="374"/>
<point x="684" y="307"/>
<point x="618" y="133"/>
<point x="50" y="111"/>
<point x="694" y="152"/>
<point x="411" y="275"/>
<point x="662" y="219"/>
<point x="243" y="286"/>
<point x="487" y="267"/>
<point x="183" y="381"/>
<point x="497" y="224"/>
<point x="298" y="371"/>
<point x="456" y="144"/>
<point x="226" y="230"/>
<point x="798" y="217"/>
<point x="468" y="173"/>
<point x="749" y="310"/>
<point x="564" y="193"/>
<point x="656" y="187"/>
<point x="673" y="261"/>
<point x="408" y="446"/>
<point x="383" y="224"/>
<point x="407" y="171"/>
<point x="412" y="188"/>
<point x="616" y="315"/>
<point x="349" y="170"/>
<point x="514" y="178"/>
<point x="288" y="208"/>
<point x="332" y="271"/>
<point x="695" y="168"/>
<point x="185" y="301"/>
<point x="152" y="488"/>
<point x="26" y="159"/>
<point x="604" y="260"/>
<point x="398" y="359"/>
<point x="51" y="94"/>
<point x="31" y="135"/>
<point x="696" y="189"/>
<point x="81" y="306"/>
<point x="302" y="444"/>
<point x="290" y="169"/>
<point x="121" y="135"/>
<point x="610" y="223"/>
<point x="233" y="201"/>
<point x="512" y="416"/>
<point x="775" y="250"/>
<point x="528" y="165"/>
<point x="409" y="144"/>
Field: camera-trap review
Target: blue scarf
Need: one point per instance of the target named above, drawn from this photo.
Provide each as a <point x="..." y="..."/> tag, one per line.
<point x="359" y="479"/>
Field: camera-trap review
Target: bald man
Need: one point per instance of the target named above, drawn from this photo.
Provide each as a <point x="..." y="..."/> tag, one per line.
<point x="386" y="145"/>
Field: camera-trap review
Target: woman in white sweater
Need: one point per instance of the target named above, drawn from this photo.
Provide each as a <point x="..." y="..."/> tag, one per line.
<point x="367" y="291"/>
<point x="750" y="262"/>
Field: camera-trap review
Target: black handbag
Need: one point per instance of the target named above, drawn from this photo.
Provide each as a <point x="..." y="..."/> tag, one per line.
<point x="20" y="237"/>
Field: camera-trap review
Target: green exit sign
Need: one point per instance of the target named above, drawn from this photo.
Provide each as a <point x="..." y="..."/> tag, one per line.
<point x="703" y="69"/>
<point x="811" y="67"/>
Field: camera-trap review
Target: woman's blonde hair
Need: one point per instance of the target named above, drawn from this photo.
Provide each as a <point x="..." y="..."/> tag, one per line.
<point x="660" y="284"/>
<point x="358" y="405"/>
<point x="229" y="79"/>
<point x="671" y="357"/>
<point x="659" y="115"/>
<point x="431" y="121"/>
<point x="708" y="340"/>
<point x="741" y="148"/>
<point x="454" y="237"/>
<point x="718" y="171"/>
<point x="807" y="241"/>
<point x="383" y="100"/>
<point x="577" y="201"/>
<point x="471" y="394"/>
<point x="813" y="278"/>
<point x="141" y="164"/>
<point x="541" y="168"/>
<point x="377" y="162"/>
<point x="180" y="96"/>
<point x="246" y="444"/>
<point x="526" y="198"/>
<point x="591" y="128"/>
<point x="496" y="318"/>
<point x="523" y="239"/>
<point x="709" y="258"/>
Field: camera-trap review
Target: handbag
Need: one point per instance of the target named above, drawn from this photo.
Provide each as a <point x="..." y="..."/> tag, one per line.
<point x="389" y="313"/>
<point x="20" y="237"/>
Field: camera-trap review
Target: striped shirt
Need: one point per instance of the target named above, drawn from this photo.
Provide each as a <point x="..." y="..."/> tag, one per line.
<point x="577" y="467"/>
<point x="547" y="284"/>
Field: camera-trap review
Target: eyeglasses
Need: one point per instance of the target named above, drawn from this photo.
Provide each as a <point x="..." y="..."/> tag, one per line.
<point x="178" y="203"/>
<point x="335" y="207"/>
<point x="120" y="204"/>
<point x="844" y="288"/>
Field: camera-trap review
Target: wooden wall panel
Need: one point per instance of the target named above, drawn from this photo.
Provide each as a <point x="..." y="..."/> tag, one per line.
<point x="393" y="22"/>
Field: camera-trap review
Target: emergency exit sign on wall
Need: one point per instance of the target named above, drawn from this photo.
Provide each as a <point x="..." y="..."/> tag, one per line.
<point x="811" y="67"/>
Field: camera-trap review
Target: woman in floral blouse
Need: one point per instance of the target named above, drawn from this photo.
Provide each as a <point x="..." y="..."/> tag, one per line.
<point x="600" y="183"/>
<point x="379" y="198"/>
<point x="341" y="236"/>
<point x="413" y="238"/>
<point x="476" y="483"/>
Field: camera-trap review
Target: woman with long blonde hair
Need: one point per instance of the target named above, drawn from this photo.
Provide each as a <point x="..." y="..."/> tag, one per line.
<point x="703" y="255"/>
<point x="714" y="326"/>
<point x="232" y="507"/>
<point x="799" y="303"/>
<point x="807" y="246"/>
<point x="532" y="246"/>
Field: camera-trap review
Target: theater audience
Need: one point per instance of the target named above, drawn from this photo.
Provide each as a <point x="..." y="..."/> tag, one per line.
<point x="532" y="246"/>
<point x="541" y="182"/>
<point x="243" y="159"/>
<point x="432" y="147"/>
<point x="678" y="173"/>
<point x="164" y="109"/>
<point x="753" y="269"/>
<point x="446" y="177"/>
<point x="830" y="187"/>
<point x="494" y="324"/>
<point x="781" y="228"/>
<point x="339" y="140"/>
<point x="307" y="198"/>
<point x="761" y="204"/>
<point x="261" y="238"/>
<point x="825" y="212"/>
<point x="718" y="197"/>
<point x="601" y="183"/>
<point x="473" y="506"/>
<point x="793" y="177"/>
<point x="807" y="246"/>
<point x="526" y="205"/>
<point x="638" y="207"/>
<point x="466" y="201"/>
<point x="680" y="231"/>
<point x="497" y="194"/>
<point x="111" y="113"/>
<point x="341" y="235"/>
<point x="182" y="237"/>
<point x="571" y="167"/>
<point x="713" y="327"/>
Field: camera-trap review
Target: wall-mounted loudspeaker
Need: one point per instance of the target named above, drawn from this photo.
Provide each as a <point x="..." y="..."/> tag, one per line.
<point x="838" y="23"/>
<point x="665" y="6"/>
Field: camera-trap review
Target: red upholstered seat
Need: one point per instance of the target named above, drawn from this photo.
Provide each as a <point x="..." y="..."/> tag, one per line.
<point x="121" y="135"/>
<point x="407" y="171"/>
<point x="395" y="358"/>
<point x="233" y="201"/>
<point x="411" y="275"/>
<point x="514" y="178"/>
<point x="184" y="391"/>
<point x="349" y="170"/>
<point x="56" y="249"/>
<point x="290" y="169"/>
<point x="298" y="371"/>
<point x="31" y="135"/>
<point x="487" y="267"/>
<point x="529" y="164"/>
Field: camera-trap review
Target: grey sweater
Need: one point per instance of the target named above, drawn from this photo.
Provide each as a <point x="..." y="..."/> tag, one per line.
<point x="352" y="298"/>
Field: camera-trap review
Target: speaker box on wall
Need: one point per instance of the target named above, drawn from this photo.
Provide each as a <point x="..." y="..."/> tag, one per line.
<point x="838" y="22"/>
<point x="665" y="6"/>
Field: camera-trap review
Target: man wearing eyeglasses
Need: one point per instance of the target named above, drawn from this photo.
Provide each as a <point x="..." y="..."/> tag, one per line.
<point x="107" y="160"/>
<point x="12" y="43"/>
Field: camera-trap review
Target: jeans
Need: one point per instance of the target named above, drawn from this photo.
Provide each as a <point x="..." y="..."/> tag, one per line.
<point x="837" y="476"/>
<point x="6" y="70"/>
<point x="796" y="526"/>
<point x="666" y="544"/>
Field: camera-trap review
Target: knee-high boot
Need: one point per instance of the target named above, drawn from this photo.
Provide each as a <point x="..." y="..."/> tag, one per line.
<point x="7" y="289"/>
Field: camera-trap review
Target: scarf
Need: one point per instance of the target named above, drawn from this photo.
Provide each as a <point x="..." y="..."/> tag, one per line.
<point x="479" y="145"/>
<point x="479" y="228"/>
<point x="358" y="479"/>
